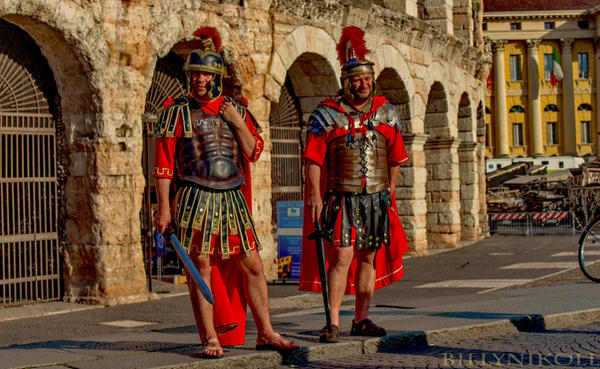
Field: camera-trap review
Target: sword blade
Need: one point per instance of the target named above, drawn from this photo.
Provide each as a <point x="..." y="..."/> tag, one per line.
<point x="191" y="268"/>
<point x="323" y="272"/>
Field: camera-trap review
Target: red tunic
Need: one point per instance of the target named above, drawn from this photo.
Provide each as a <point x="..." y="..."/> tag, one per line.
<point x="226" y="279"/>
<point x="388" y="261"/>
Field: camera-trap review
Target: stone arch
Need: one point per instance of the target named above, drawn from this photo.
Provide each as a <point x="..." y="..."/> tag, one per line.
<point x="303" y="39"/>
<point x="394" y="81"/>
<point x="75" y="108"/>
<point x="442" y="165"/>
<point x="466" y="126"/>
<point x="309" y="80"/>
<point x="436" y="123"/>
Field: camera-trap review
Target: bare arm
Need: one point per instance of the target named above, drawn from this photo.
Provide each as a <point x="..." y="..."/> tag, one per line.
<point x="246" y="139"/>
<point x="314" y="202"/>
<point x="163" y="216"/>
<point x="394" y="170"/>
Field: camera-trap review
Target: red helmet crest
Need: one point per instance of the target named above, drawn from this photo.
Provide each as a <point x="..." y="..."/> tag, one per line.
<point x="209" y="34"/>
<point x="352" y="45"/>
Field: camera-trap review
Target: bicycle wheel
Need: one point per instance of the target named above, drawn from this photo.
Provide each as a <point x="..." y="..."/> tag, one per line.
<point x="589" y="250"/>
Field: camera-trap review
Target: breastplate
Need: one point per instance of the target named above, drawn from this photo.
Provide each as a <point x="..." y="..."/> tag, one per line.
<point x="210" y="158"/>
<point x="363" y="159"/>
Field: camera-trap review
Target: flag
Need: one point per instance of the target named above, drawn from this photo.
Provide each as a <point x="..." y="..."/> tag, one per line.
<point x="557" y="73"/>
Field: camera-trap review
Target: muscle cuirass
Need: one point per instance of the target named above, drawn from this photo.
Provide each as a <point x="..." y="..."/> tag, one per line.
<point x="350" y="162"/>
<point x="211" y="157"/>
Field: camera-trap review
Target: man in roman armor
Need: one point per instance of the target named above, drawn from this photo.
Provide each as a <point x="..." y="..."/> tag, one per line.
<point x="353" y="152"/>
<point x="205" y="143"/>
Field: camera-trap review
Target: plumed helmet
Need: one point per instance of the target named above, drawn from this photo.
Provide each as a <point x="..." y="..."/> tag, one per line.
<point x="352" y="52"/>
<point x="207" y="59"/>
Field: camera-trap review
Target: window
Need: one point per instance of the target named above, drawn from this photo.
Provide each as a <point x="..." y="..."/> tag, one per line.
<point x="484" y="26"/>
<point x="516" y="109"/>
<point x="515" y="67"/>
<point x="515" y="26"/>
<point x="585" y="132"/>
<point x="547" y="66"/>
<point x="551" y="107"/>
<point x="552" y="133"/>
<point x="584" y="107"/>
<point x="518" y="134"/>
<point x="561" y="164"/>
<point x="583" y="24"/>
<point x="548" y="25"/>
<point x="582" y="60"/>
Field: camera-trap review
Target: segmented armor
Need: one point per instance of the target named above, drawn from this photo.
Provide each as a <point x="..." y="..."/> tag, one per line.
<point x="359" y="160"/>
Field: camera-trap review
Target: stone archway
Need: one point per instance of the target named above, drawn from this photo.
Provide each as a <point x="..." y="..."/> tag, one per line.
<point x="303" y="39"/>
<point x="32" y="196"/>
<point x="309" y="80"/>
<point x="468" y="171"/>
<point x="411" y="179"/>
<point x="441" y="163"/>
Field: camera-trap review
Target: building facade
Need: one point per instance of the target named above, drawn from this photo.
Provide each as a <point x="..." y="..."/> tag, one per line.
<point x="528" y="113"/>
<point x="82" y="80"/>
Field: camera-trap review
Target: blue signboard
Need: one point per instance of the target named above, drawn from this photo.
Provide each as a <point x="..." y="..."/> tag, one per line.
<point x="289" y="238"/>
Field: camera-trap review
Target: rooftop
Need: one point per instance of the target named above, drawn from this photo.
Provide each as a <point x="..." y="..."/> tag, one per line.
<point x="524" y="5"/>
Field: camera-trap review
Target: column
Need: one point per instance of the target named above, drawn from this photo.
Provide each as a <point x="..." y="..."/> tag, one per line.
<point x="500" y="100"/>
<point x="535" y="111"/>
<point x="568" y="107"/>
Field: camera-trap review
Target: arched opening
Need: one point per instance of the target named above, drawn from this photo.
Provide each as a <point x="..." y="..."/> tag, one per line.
<point x="32" y="173"/>
<point x="392" y="87"/>
<point x="441" y="163"/>
<point x="309" y="80"/>
<point x="168" y="81"/>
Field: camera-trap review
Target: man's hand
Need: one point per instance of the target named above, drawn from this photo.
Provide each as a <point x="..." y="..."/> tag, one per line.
<point x="162" y="219"/>
<point x="314" y="202"/>
<point x="231" y="114"/>
<point x="314" y="205"/>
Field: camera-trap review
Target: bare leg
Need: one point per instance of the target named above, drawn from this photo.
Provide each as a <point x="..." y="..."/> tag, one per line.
<point x="256" y="293"/>
<point x="364" y="280"/>
<point x="203" y="310"/>
<point x="337" y="278"/>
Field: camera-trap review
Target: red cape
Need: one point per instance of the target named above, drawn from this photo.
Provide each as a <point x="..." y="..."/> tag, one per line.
<point x="388" y="261"/>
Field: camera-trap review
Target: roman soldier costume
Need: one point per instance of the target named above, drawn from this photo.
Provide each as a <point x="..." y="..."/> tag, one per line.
<point x="199" y="150"/>
<point x="355" y="149"/>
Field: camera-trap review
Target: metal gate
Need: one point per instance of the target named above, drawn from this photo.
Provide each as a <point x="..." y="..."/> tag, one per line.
<point x="29" y="247"/>
<point x="286" y="156"/>
<point x="168" y="81"/>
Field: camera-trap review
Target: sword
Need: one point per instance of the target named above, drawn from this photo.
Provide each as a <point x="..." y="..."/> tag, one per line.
<point x="191" y="268"/>
<point x="317" y="235"/>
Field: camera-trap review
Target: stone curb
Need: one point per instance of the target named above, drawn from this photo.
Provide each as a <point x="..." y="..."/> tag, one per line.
<point x="367" y="346"/>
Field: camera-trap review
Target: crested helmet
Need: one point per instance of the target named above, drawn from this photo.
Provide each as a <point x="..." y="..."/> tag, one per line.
<point x="352" y="52"/>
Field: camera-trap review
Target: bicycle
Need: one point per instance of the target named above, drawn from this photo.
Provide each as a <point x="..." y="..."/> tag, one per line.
<point x="589" y="250"/>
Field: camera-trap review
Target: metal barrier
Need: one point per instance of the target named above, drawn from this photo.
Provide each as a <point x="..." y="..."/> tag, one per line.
<point x="531" y="224"/>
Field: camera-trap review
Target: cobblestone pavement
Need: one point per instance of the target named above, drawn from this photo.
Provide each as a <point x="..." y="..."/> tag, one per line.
<point x="570" y="348"/>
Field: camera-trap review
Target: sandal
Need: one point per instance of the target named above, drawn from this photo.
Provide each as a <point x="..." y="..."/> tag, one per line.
<point x="211" y="349"/>
<point x="276" y="343"/>
<point x="329" y="335"/>
<point x="366" y="328"/>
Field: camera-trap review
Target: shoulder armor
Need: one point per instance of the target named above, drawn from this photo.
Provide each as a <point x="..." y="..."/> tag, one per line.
<point x="388" y="114"/>
<point x="325" y="118"/>
<point x="240" y="108"/>
<point x="179" y="110"/>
